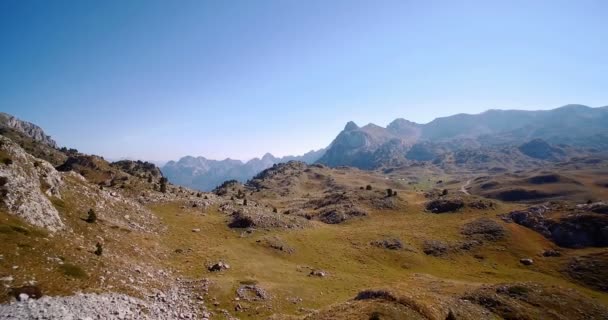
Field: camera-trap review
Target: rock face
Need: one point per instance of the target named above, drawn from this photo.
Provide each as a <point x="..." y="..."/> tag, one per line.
<point x="29" y="129"/>
<point x="27" y="183"/>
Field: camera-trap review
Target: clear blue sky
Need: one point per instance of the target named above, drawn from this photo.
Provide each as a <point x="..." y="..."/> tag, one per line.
<point x="157" y="80"/>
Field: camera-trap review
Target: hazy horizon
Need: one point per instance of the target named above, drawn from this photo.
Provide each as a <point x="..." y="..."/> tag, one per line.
<point x="156" y="80"/>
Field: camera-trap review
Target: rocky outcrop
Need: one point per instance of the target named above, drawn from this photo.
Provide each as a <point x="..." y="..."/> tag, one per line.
<point x="575" y="230"/>
<point x="484" y="229"/>
<point x="26" y="184"/>
<point x="142" y="169"/>
<point x="28" y="129"/>
<point x="444" y="205"/>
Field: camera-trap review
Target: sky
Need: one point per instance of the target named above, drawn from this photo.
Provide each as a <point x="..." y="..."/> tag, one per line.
<point x="158" y="80"/>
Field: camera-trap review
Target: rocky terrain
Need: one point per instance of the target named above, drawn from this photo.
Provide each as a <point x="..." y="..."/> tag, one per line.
<point x="83" y="238"/>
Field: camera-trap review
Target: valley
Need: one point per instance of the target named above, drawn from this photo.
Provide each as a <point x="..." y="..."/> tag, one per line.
<point x="405" y="240"/>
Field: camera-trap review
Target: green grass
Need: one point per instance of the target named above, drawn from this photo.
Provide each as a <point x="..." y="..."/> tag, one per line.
<point x="344" y="252"/>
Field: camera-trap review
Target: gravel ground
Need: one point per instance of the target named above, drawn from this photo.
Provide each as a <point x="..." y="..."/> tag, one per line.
<point x="174" y="304"/>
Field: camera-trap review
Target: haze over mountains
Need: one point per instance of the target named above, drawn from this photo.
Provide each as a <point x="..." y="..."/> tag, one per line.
<point x="495" y="139"/>
<point x="205" y="174"/>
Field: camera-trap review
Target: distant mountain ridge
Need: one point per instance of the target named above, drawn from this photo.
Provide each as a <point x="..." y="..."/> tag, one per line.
<point x="403" y="141"/>
<point x="205" y="174"/>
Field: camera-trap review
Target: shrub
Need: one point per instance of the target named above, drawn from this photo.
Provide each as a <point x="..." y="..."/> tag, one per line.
<point x="99" y="250"/>
<point x="163" y="185"/>
<point x="92" y="216"/>
<point x="72" y="270"/>
<point x="275" y="210"/>
<point x="389" y="192"/>
<point x="444" y="192"/>
<point x="244" y="202"/>
<point x="7" y="161"/>
<point x="368" y="187"/>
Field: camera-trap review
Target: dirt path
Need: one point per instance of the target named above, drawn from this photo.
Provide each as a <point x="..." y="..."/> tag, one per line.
<point x="463" y="189"/>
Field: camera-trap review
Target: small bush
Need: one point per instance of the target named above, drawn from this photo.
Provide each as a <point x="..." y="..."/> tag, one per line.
<point x="244" y="202"/>
<point x="92" y="216"/>
<point x="72" y="270"/>
<point x="444" y="192"/>
<point x="163" y="184"/>
<point x="368" y="187"/>
<point x="7" y="161"/>
<point x="389" y="192"/>
<point x="99" y="250"/>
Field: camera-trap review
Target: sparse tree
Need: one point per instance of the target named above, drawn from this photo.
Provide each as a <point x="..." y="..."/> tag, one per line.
<point x="244" y="202"/>
<point x="389" y="192"/>
<point x="444" y="192"/>
<point x="368" y="187"/>
<point x="150" y="179"/>
<point x="99" y="249"/>
<point x="91" y="216"/>
<point x="275" y="210"/>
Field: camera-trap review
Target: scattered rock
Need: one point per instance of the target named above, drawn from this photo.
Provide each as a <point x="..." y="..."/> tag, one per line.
<point x="196" y="230"/>
<point x="551" y="253"/>
<point x="26" y="292"/>
<point x="318" y="273"/>
<point x="391" y="244"/>
<point x="220" y="266"/>
<point x="339" y="215"/>
<point x="251" y="293"/>
<point x="435" y="248"/>
<point x="526" y="261"/>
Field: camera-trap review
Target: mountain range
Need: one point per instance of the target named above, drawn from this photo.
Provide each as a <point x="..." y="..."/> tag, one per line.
<point x="205" y="174"/>
<point x="402" y="141"/>
<point x="495" y="139"/>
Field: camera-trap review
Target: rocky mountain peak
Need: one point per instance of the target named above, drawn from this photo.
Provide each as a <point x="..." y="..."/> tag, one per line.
<point x="350" y="126"/>
<point x="28" y="129"/>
